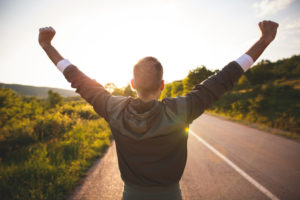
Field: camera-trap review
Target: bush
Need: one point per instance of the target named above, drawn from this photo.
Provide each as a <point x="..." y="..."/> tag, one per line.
<point x="52" y="125"/>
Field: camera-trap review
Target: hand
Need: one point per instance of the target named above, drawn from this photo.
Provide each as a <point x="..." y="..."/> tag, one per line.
<point x="268" y="30"/>
<point x="46" y="35"/>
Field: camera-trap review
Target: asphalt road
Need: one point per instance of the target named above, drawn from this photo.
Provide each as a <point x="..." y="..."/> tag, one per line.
<point x="271" y="165"/>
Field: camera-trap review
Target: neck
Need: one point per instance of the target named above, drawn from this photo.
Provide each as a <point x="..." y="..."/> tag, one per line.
<point x="149" y="97"/>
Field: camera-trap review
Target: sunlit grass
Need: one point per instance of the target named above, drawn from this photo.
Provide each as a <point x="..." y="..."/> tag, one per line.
<point x="45" y="150"/>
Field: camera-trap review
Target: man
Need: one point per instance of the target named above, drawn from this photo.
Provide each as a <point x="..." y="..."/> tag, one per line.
<point x="150" y="135"/>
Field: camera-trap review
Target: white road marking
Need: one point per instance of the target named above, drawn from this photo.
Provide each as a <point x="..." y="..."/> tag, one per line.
<point x="236" y="168"/>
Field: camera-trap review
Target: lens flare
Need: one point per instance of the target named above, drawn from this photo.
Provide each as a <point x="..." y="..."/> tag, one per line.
<point x="186" y="129"/>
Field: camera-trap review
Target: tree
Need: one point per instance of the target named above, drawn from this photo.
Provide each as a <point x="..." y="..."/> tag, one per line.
<point x="128" y="92"/>
<point x="114" y="90"/>
<point x="260" y="73"/>
<point x="110" y="87"/>
<point x="243" y="83"/>
<point x="54" y="98"/>
<point x="196" y="76"/>
<point x="117" y="92"/>
<point x="167" y="92"/>
<point x="177" y="88"/>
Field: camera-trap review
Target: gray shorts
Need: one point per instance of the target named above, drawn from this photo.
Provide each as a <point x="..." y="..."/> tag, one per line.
<point x="131" y="192"/>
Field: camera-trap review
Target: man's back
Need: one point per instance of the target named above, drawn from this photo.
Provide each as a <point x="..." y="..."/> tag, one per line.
<point x="151" y="137"/>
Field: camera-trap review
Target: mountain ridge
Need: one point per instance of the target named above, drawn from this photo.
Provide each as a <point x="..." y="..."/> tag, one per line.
<point x="37" y="91"/>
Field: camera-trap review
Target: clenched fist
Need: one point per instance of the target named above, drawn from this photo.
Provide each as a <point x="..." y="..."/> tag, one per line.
<point x="46" y="35"/>
<point x="268" y="30"/>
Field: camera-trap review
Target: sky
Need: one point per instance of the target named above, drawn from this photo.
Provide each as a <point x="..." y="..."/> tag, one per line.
<point x="105" y="38"/>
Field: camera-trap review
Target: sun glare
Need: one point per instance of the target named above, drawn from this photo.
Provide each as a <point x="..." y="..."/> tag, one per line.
<point x="187" y="130"/>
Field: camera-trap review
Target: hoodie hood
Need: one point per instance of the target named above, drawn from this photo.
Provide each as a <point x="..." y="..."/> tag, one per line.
<point x="141" y="120"/>
<point x="139" y="115"/>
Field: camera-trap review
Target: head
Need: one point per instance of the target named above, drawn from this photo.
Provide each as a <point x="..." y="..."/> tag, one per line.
<point x="147" y="78"/>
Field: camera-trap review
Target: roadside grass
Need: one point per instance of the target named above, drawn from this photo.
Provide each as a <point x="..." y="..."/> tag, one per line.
<point x="295" y="83"/>
<point x="259" y="126"/>
<point x="46" y="147"/>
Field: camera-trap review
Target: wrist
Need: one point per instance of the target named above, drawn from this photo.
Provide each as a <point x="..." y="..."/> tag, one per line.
<point x="265" y="40"/>
<point x="63" y="64"/>
<point x="45" y="45"/>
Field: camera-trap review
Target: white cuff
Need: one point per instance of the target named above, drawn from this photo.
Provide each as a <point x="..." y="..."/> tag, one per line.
<point x="63" y="64"/>
<point x="245" y="61"/>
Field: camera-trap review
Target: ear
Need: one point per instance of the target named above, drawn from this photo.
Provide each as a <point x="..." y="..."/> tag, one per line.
<point x="132" y="84"/>
<point x="162" y="85"/>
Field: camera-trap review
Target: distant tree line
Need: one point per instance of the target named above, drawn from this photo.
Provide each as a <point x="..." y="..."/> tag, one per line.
<point x="125" y="91"/>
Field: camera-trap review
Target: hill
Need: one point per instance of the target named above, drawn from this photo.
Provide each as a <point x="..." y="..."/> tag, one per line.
<point x="41" y="92"/>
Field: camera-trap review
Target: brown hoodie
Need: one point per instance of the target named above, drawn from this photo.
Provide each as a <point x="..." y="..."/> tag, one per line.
<point x="150" y="137"/>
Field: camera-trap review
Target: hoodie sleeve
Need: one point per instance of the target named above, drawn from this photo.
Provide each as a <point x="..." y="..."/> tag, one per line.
<point x="89" y="89"/>
<point x="210" y="90"/>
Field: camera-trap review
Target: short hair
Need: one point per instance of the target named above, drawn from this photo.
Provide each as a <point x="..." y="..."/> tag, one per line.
<point x="147" y="74"/>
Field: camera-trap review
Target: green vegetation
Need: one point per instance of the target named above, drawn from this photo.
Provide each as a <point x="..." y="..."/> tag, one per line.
<point x="268" y="94"/>
<point x="46" y="145"/>
<point x="125" y="91"/>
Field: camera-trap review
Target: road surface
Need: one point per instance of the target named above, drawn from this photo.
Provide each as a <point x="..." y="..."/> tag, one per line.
<point x="255" y="165"/>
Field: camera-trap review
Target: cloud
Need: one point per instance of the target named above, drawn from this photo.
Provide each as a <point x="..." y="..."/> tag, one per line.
<point x="289" y="31"/>
<point x="294" y="24"/>
<point x="266" y="7"/>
